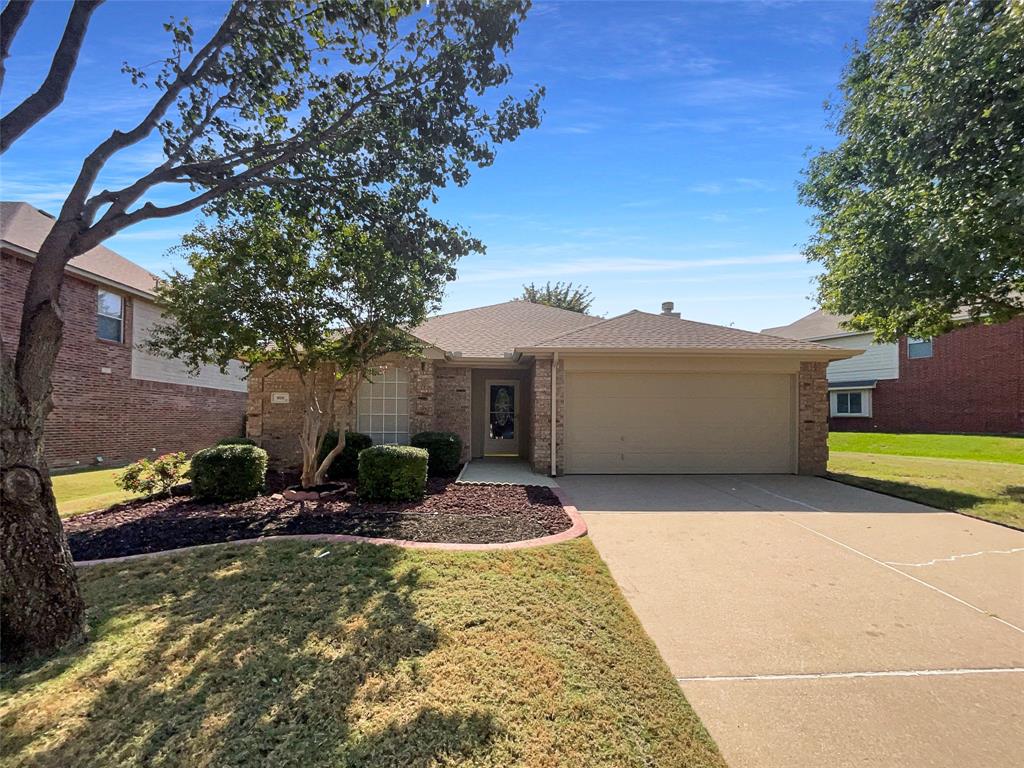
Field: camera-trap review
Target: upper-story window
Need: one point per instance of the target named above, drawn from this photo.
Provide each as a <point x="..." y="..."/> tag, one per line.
<point x="917" y="348"/>
<point x="109" y="316"/>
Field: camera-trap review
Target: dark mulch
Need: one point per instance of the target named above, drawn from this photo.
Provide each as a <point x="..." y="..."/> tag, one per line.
<point x="448" y="513"/>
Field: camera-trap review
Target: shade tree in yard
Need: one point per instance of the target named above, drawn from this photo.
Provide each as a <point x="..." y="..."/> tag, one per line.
<point x="312" y="293"/>
<point x="919" y="211"/>
<point x="365" y="107"/>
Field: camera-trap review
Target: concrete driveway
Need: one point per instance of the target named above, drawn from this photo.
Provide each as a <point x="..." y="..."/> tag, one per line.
<point x="814" y="624"/>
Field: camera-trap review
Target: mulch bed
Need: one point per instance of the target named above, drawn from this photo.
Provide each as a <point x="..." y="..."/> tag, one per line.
<point x="450" y="512"/>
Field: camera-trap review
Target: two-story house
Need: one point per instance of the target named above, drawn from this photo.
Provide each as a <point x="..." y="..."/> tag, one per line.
<point x="968" y="380"/>
<point x="113" y="401"/>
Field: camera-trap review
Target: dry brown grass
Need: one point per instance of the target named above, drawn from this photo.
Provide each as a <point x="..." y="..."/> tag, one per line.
<point x="368" y="656"/>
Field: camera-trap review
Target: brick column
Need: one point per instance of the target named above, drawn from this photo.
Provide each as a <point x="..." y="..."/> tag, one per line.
<point x="812" y="395"/>
<point x="452" y="403"/>
<point x="540" y="444"/>
<point x="421" y="396"/>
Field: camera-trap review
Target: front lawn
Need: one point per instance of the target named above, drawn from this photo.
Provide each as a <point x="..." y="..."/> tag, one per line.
<point x="89" y="489"/>
<point x="974" y="447"/>
<point x="355" y="655"/>
<point x="992" y="489"/>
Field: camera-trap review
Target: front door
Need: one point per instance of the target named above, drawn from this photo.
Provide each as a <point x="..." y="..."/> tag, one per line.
<point x="502" y="426"/>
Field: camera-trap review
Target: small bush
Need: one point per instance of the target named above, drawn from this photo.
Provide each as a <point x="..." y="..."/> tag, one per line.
<point x="228" y="472"/>
<point x="392" y="473"/>
<point x="236" y="441"/>
<point x="346" y="463"/>
<point x="157" y="475"/>
<point x="444" y="449"/>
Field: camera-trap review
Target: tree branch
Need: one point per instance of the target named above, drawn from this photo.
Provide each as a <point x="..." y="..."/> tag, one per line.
<point x="10" y="21"/>
<point x="51" y="92"/>
<point x="74" y="205"/>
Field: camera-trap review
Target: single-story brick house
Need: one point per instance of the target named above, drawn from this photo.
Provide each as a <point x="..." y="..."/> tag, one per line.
<point x="112" y="401"/>
<point x="637" y="393"/>
<point x="968" y="380"/>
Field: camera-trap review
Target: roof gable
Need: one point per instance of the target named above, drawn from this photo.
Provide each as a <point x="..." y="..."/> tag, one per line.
<point x="495" y="331"/>
<point x="647" y="331"/>
<point x="817" y="325"/>
<point x="26" y="227"/>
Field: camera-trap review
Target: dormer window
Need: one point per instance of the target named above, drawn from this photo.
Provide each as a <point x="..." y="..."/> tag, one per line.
<point x="109" y="316"/>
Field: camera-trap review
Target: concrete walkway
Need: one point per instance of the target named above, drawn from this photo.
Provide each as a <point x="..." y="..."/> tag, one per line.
<point x="814" y="624"/>
<point x="503" y="471"/>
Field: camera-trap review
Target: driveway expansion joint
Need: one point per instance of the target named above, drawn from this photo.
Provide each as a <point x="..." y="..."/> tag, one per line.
<point x="846" y="675"/>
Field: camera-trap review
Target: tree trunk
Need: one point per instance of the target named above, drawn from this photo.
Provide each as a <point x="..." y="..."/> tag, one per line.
<point x="42" y="608"/>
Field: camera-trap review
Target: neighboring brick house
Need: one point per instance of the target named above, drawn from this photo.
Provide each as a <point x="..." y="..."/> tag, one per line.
<point x="113" y="402"/>
<point x="968" y="380"/>
<point x="638" y="393"/>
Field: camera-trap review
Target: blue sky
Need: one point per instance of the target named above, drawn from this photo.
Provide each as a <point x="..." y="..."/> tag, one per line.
<point x="665" y="169"/>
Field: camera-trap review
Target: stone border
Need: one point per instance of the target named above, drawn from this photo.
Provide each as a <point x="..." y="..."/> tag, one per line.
<point x="578" y="528"/>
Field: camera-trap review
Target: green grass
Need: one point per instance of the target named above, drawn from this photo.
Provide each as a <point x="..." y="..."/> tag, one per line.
<point x="368" y="656"/>
<point x="84" y="491"/>
<point x="972" y="447"/>
<point x="991" y="491"/>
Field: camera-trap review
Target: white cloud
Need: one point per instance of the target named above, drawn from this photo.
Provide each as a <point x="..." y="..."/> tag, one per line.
<point x="605" y="265"/>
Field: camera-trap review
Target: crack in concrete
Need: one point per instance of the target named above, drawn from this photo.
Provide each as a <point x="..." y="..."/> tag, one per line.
<point x="957" y="557"/>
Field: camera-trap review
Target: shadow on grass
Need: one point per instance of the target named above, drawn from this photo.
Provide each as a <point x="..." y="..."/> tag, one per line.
<point x="276" y="658"/>
<point x="1014" y="493"/>
<point x="940" y="498"/>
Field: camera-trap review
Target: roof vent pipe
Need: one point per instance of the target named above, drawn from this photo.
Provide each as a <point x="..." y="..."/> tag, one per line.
<point x="666" y="309"/>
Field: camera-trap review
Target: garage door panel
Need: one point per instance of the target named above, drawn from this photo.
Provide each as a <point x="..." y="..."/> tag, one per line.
<point x="666" y="423"/>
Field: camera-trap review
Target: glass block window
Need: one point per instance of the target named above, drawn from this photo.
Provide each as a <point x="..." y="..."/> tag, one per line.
<point x="109" y="316"/>
<point x="382" y="407"/>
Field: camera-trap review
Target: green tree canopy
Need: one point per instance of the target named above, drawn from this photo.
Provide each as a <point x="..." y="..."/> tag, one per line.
<point x="561" y="295"/>
<point x="920" y="207"/>
<point x="317" y="294"/>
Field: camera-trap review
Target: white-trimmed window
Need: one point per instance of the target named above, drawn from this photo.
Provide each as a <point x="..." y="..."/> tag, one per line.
<point x="109" y="316"/>
<point x="382" y="408"/>
<point x="919" y="348"/>
<point x="850" y="402"/>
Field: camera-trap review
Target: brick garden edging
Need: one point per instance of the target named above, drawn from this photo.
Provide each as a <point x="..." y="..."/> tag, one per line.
<point x="577" y="529"/>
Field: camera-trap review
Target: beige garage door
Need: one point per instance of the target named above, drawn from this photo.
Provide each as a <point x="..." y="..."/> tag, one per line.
<point x="678" y="423"/>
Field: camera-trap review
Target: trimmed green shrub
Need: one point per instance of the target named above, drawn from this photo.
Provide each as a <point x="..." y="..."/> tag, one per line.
<point x="392" y="473"/>
<point x="444" y="449"/>
<point x="236" y="441"/>
<point x="228" y="472"/>
<point x="346" y="463"/>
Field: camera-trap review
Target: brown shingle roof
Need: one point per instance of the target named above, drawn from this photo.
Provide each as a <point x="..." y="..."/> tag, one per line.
<point x="26" y="227"/>
<point x="817" y="325"/>
<point x="498" y="329"/>
<point x="646" y="331"/>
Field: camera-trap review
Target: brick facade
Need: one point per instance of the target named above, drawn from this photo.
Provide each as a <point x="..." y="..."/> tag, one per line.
<point x="453" y="403"/>
<point x="973" y="382"/>
<point x="812" y="419"/>
<point x="439" y="399"/>
<point x="540" y="447"/>
<point x="111" y="414"/>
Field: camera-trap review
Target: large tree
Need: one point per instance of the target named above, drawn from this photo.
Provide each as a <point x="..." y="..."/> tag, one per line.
<point x="920" y="209"/>
<point x="365" y="106"/>
<point x="576" y="298"/>
<point x="315" y="294"/>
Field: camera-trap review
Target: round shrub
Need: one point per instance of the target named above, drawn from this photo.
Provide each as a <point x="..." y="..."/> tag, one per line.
<point x="346" y="463"/>
<point x="392" y="473"/>
<point x="444" y="449"/>
<point x="228" y="472"/>
<point x="236" y="441"/>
